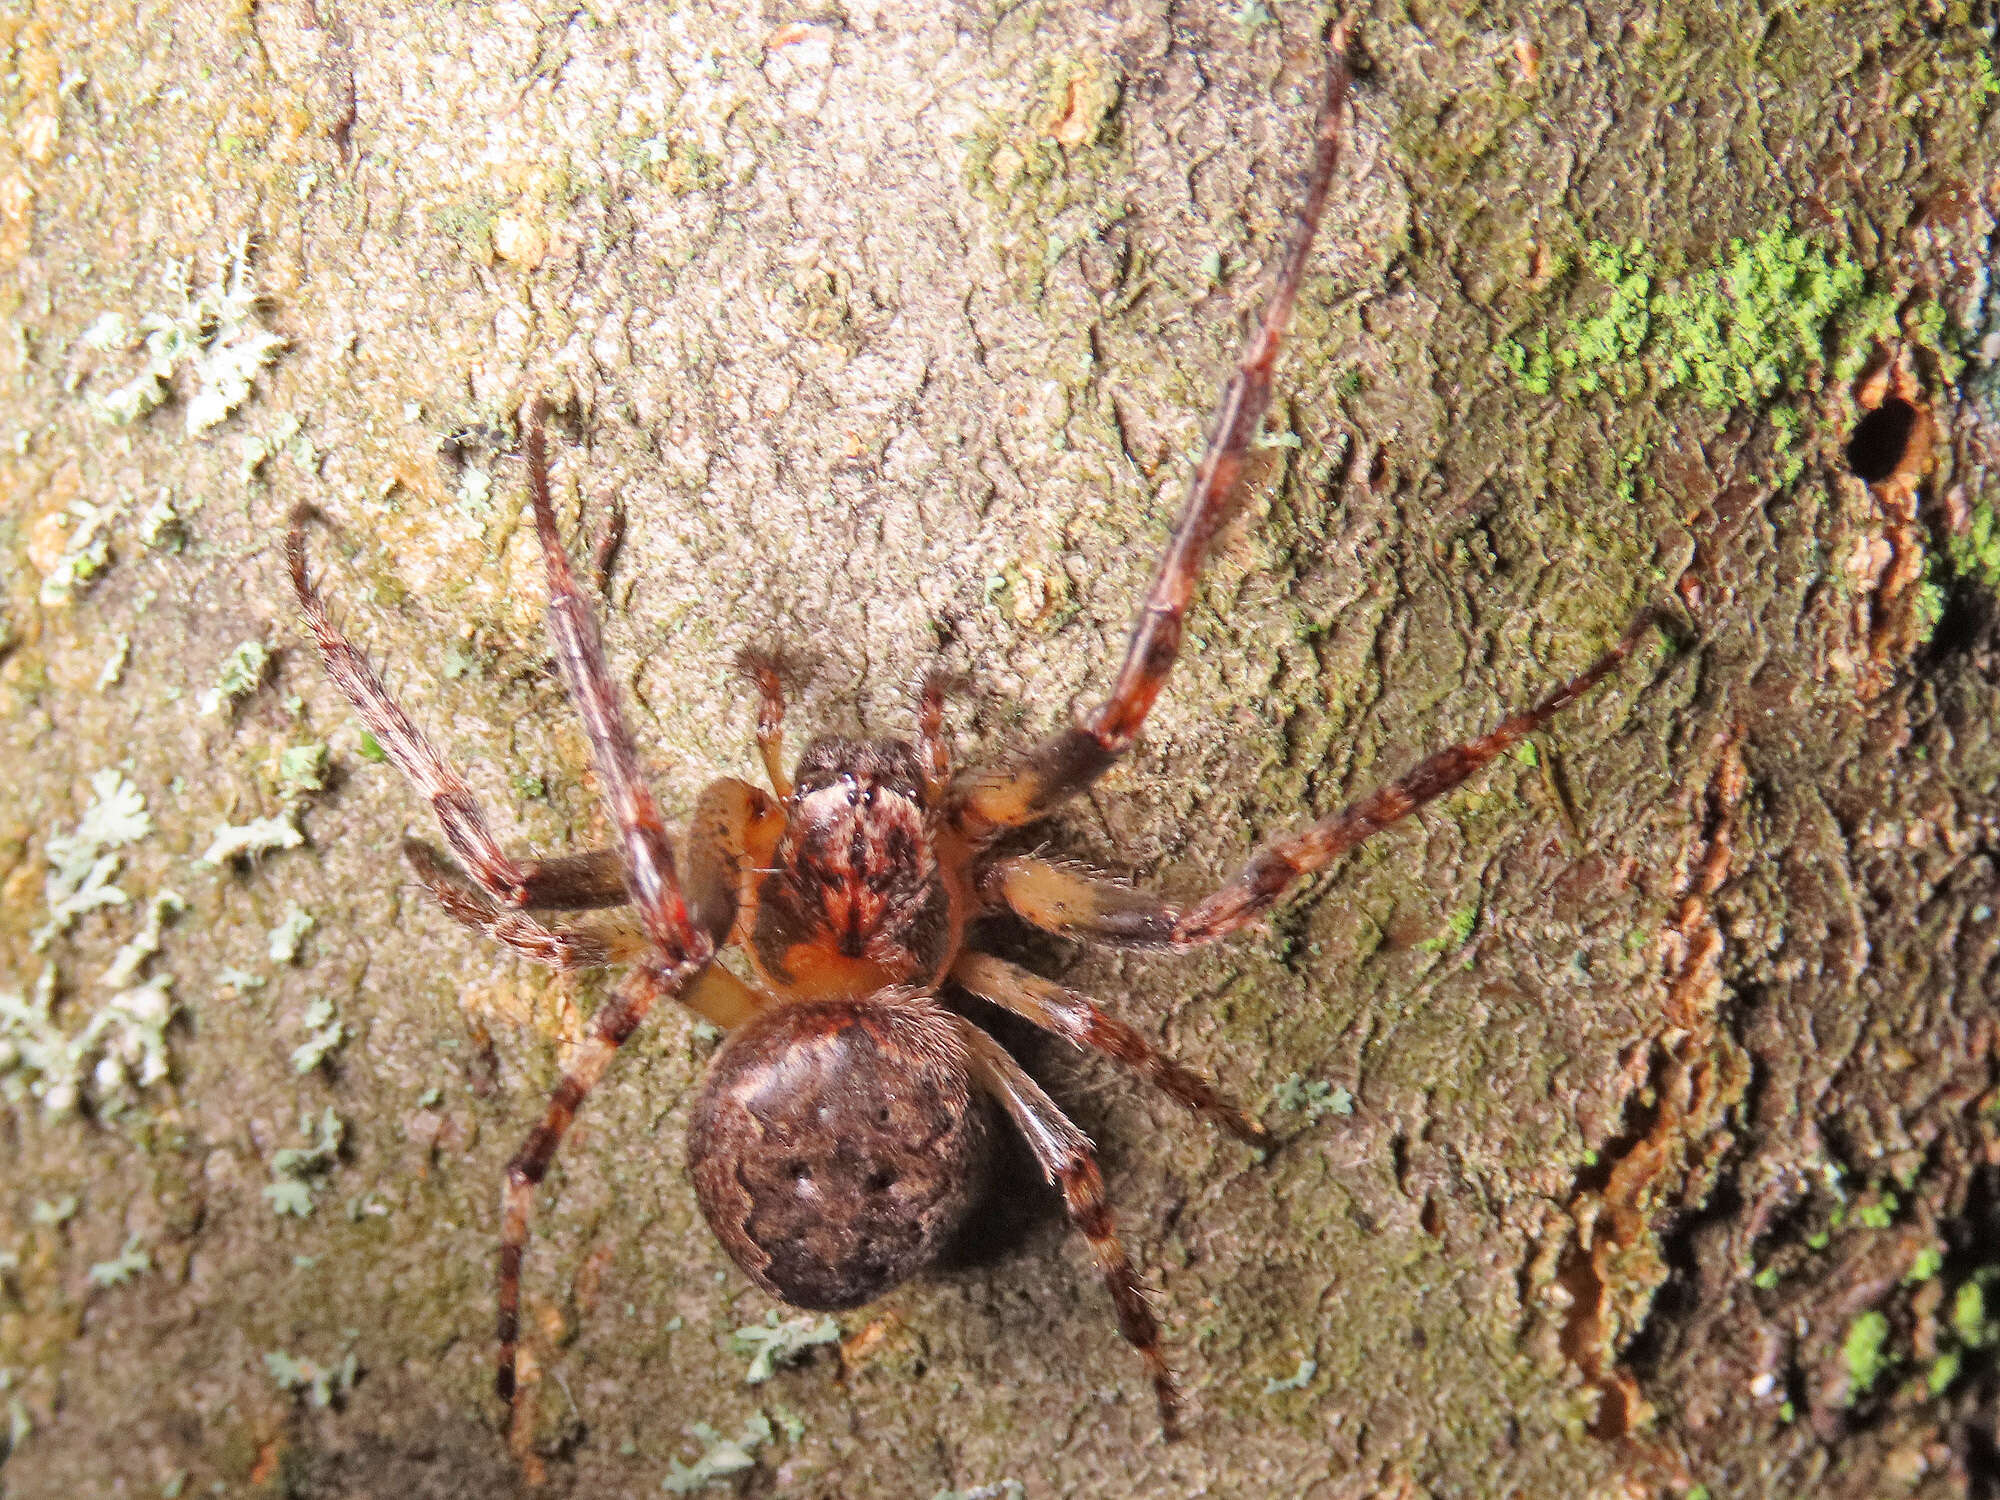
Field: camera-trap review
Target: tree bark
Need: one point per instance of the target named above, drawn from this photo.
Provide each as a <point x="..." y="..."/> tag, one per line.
<point x="1637" y="1098"/>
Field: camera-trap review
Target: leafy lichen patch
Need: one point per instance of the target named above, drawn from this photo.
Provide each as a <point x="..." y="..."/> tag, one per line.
<point x="214" y="337"/>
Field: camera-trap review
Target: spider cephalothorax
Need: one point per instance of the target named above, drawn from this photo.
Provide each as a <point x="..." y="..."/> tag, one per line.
<point x="855" y="875"/>
<point x="838" y="1138"/>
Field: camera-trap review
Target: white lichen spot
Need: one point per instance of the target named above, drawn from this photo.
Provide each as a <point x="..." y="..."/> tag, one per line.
<point x="283" y="945"/>
<point x="248" y="840"/>
<point x="114" y="664"/>
<point x="294" y="1168"/>
<point x="85" y="553"/>
<point x="129" y="1262"/>
<point x="301" y="771"/>
<point x="83" y="863"/>
<point x="323" y="1385"/>
<point x="326" y="1033"/>
<point x="720" y="1457"/>
<point x="161" y="526"/>
<point x="121" y="1047"/>
<point x="215" y="337"/>
<point x="241" y="671"/>
<point x="131" y="958"/>
<point x="773" y="1343"/>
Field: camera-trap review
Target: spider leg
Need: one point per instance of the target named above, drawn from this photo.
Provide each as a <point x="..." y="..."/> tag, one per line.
<point x="1279" y="864"/>
<point x="762" y="669"/>
<point x="1069" y="1162"/>
<point x="933" y="749"/>
<point x="1071" y="903"/>
<point x="579" y="652"/>
<point x="1079" y="1022"/>
<point x="465" y="828"/>
<point x="564" y="948"/>
<point x="1069" y="761"/>
<point x="713" y="993"/>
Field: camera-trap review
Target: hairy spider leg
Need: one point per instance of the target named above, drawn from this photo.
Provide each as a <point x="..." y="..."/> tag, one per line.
<point x="762" y="669"/>
<point x="565" y="881"/>
<point x="1082" y="1024"/>
<point x="1068" y="762"/>
<point x="1279" y="864"/>
<point x="1069" y="1161"/>
<point x="1073" y="903"/>
<point x="1077" y="903"/>
<point x="579" y="653"/>
<point x="679" y="949"/>
<point x="564" y="948"/>
<point x="933" y="749"/>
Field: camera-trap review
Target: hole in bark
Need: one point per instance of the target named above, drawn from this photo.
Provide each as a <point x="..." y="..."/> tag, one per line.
<point x="1881" y="439"/>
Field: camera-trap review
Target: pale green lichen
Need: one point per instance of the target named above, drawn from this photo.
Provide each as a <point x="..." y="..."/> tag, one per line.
<point x="1312" y="1097"/>
<point x="161" y="527"/>
<point x="83" y="863"/>
<point x="773" y="1343"/>
<point x="301" y="771"/>
<point x="242" y="670"/>
<point x="720" y="1456"/>
<point x="1298" y="1380"/>
<point x="999" y="1489"/>
<point x="213" y="336"/>
<point x="122" y="1046"/>
<point x="296" y="1169"/>
<point x="86" y="552"/>
<point x="129" y="1262"/>
<point x="326" y="1033"/>
<point x="248" y="840"/>
<point x="283" y="942"/>
<point x="323" y="1384"/>
<point x="143" y="944"/>
<point x="114" y="664"/>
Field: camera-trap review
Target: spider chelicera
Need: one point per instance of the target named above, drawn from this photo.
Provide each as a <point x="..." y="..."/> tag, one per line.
<point x="838" y="1139"/>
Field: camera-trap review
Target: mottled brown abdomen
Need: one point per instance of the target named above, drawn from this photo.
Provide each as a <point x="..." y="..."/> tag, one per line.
<point x="836" y="1146"/>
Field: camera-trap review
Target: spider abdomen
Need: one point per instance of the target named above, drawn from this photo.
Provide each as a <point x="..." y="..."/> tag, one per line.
<point x="836" y="1146"/>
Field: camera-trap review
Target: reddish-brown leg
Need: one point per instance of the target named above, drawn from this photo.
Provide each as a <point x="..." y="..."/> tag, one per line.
<point x="678" y="953"/>
<point x="1068" y="1160"/>
<point x="579" y="653"/>
<point x="568" y="881"/>
<point x="565" y="948"/>
<point x="613" y="1023"/>
<point x="1070" y="761"/>
<point x="1075" y="903"/>
<point x="1281" y="863"/>
<point x="1083" y="1025"/>
<point x="763" y="670"/>
<point x="933" y="749"/>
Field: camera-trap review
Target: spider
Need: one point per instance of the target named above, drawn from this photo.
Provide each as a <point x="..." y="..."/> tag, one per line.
<point x="837" y="1141"/>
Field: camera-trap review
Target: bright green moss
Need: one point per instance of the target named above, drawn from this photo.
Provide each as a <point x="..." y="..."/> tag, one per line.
<point x="1866" y="1352"/>
<point x="1740" y="331"/>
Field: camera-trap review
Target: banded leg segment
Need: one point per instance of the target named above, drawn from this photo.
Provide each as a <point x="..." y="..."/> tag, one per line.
<point x="1080" y="1023"/>
<point x="762" y="669"/>
<point x="725" y="1000"/>
<point x="564" y="948"/>
<point x="579" y="653"/>
<point x="1068" y="762"/>
<point x="1072" y="903"/>
<point x="1068" y="1160"/>
<point x="1283" y="862"/>
<point x="408" y="748"/>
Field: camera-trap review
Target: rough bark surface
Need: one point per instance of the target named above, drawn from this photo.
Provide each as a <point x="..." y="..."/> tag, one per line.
<point x="1640" y="1097"/>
